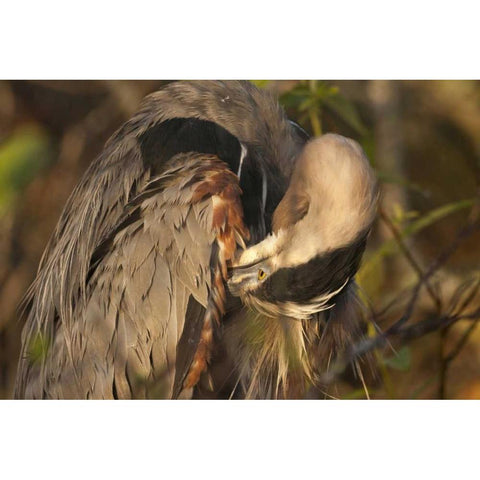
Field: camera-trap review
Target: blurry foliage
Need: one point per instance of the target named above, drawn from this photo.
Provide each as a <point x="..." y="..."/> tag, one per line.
<point x="309" y="97"/>
<point x="390" y="178"/>
<point x="307" y="102"/>
<point x="400" y="361"/>
<point x="22" y="157"/>
<point x="370" y="275"/>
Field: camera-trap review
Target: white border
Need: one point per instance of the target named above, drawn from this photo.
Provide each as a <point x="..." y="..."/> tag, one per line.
<point x="338" y="39"/>
<point x="262" y="439"/>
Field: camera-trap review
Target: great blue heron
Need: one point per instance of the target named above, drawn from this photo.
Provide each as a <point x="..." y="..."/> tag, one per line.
<point x="209" y="185"/>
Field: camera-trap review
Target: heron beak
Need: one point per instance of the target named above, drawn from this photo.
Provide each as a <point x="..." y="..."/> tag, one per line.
<point x="234" y="283"/>
<point x="242" y="276"/>
<point x="233" y="288"/>
<point x="255" y="254"/>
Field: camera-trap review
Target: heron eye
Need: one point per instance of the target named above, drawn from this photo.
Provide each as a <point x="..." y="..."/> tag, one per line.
<point x="261" y="275"/>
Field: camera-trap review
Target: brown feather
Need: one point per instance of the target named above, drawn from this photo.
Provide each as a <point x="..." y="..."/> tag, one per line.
<point x="227" y="223"/>
<point x="292" y="208"/>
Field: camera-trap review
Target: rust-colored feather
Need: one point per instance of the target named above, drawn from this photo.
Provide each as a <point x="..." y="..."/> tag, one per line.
<point x="227" y="223"/>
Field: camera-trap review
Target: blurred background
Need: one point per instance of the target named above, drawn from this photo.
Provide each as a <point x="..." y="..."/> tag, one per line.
<point x="422" y="262"/>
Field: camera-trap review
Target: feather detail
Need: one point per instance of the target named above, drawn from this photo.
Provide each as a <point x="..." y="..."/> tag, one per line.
<point x="227" y="223"/>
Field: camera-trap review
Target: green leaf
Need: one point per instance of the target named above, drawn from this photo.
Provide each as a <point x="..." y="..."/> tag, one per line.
<point x="359" y="393"/>
<point x="298" y="91"/>
<point x="306" y="104"/>
<point x="38" y="348"/>
<point x="261" y="83"/>
<point x="293" y="98"/>
<point x="401" y="361"/>
<point x="385" y="177"/>
<point x="347" y="111"/>
<point x="437" y="214"/>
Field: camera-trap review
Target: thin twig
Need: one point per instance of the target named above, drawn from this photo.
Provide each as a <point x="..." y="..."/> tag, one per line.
<point x="442" y="383"/>
<point x="398" y="329"/>
<point x="445" y="360"/>
<point x="462" y="342"/>
<point x="409" y="256"/>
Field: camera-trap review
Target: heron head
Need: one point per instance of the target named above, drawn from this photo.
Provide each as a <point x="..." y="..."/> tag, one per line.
<point x="319" y="231"/>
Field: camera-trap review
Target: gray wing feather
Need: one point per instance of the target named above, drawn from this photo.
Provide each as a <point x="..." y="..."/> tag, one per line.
<point x="123" y="342"/>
